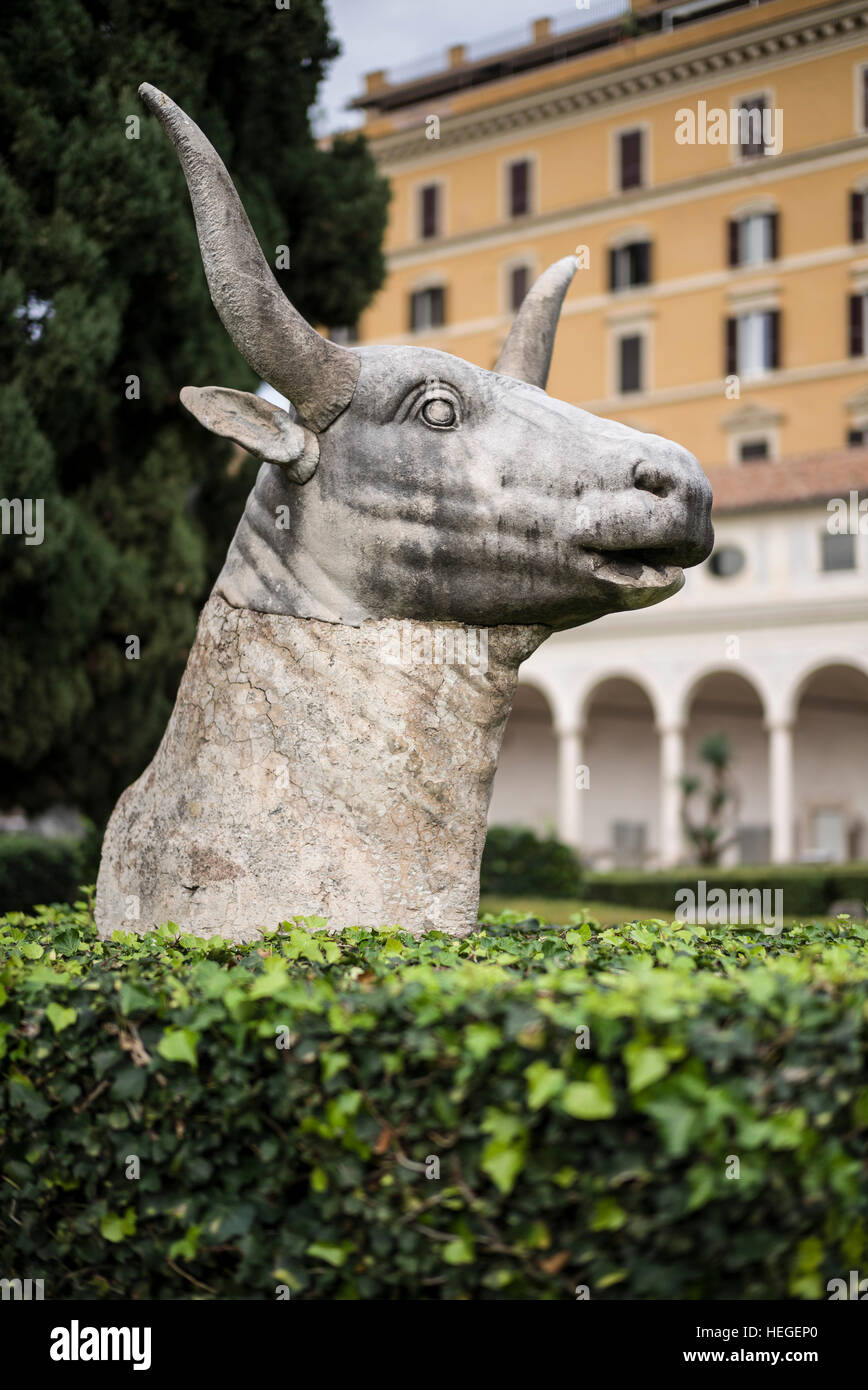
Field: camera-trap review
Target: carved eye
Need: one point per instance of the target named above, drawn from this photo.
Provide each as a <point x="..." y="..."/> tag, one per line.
<point x="439" y="413"/>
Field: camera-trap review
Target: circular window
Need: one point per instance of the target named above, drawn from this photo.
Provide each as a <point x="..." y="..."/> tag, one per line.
<point x="726" y="562"/>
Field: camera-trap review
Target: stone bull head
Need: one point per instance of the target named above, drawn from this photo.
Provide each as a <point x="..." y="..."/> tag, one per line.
<point x="306" y="769"/>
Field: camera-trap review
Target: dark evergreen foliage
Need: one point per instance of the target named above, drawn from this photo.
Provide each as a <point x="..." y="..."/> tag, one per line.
<point x="100" y="280"/>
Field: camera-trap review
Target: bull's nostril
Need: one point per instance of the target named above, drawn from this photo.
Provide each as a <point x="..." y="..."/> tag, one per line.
<point x="650" y="477"/>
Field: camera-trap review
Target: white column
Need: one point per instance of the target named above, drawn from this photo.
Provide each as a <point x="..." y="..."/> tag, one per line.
<point x="781" y="790"/>
<point x="569" y="795"/>
<point x="671" y="794"/>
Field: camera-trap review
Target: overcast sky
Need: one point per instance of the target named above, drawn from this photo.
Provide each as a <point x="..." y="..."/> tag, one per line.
<point x="391" y="33"/>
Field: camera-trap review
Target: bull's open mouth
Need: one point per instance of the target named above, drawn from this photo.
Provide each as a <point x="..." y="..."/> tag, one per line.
<point x="640" y="569"/>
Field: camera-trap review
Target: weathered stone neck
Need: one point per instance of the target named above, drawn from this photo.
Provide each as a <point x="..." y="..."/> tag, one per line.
<point x="316" y="769"/>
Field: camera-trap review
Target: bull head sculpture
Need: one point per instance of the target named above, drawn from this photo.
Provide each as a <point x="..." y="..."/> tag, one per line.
<point x="422" y="488"/>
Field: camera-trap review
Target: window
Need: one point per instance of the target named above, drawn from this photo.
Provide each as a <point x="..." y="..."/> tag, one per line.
<point x="858" y="209"/>
<point x="628" y="843"/>
<point x="519" y="188"/>
<point x="753" y="343"/>
<point x="857" y="438"/>
<point x="726" y="561"/>
<point x="429" y="210"/>
<point x="828" y="837"/>
<point x="630" y="265"/>
<point x="630" y="159"/>
<point x="839" y="552"/>
<point x="427" y="309"/>
<point x="345" y="335"/>
<point x="630" y="363"/>
<point x="754" y="844"/>
<point x="857" y="317"/>
<point x="753" y="450"/>
<point x="750" y="127"/>
<point x="753" y="240"/>
<point x="519" y="283"/>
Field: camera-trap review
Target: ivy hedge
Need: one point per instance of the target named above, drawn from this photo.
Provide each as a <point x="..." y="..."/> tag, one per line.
<point x="655" y="1111"/>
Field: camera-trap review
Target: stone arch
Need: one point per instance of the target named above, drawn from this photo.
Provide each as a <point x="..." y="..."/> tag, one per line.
<point x="730" y="701"/>
<point x="807" y="673"/>
<point x="525" y="785"/>
<point x="613" y="673"/>
<point x="621" y="755"/>
<point x="756" y="680"/>
<point x="829" y="713"/>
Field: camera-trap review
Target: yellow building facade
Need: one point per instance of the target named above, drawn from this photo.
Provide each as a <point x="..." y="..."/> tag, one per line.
<point x="741" y="328"/>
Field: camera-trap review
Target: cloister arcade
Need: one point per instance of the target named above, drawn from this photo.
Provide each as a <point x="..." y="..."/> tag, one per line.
<point x="600" y="761"/>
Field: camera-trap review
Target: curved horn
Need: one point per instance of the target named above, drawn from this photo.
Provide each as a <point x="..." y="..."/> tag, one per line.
<point x="527" y="352"/>
<point x="318" y="376"/>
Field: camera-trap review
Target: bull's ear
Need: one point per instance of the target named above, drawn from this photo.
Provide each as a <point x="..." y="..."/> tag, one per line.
<point x="258" y="426"/>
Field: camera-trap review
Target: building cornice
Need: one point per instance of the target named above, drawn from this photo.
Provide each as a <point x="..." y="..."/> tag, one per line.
<point x="640" y="202"/>
<point x="808" y="611"/>
<point x="700" y="60"/>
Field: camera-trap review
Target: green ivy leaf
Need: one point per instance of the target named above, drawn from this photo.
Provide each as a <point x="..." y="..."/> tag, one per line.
<point x="459" y="1251"/>
<point x="116" y="1228"/>
<point x="179" y="1045"/>
<point x="591" y="1099"/>
<point x="332" y="1254"/>
<point x="645" y="1064"/>
<point x="543" y="1084"/>
<point x="187" y="1246"/>
<point x="59" y="1017"/>
<point x="481" y="1038"/>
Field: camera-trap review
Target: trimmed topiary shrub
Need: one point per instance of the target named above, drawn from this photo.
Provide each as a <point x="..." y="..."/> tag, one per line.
<point x="654" y="1111"/>
<point x="518" y="862"/>
<point x="808" y="889"/>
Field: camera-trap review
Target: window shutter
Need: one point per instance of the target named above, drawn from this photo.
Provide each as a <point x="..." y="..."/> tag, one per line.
<point x="429" y="210"/>
<point x="519" y="283"/>
<point x="630" y="355"/>
<point x="774" y="236"/>
<point x="519" y="188"/>
<point x="612" y="263"/>
<point x="414" y="312"/>
<point x="752" y="138"/>
<point x="752" y="450"/>
<point x="774" y="339"/>
<point x="731" y="347"/>
<point x="857" y="216"/>
<point x="732" y="243"/>
<point x="857" y="326"/>
<point x="643" y="263"/>
<point x="630" y="150"/>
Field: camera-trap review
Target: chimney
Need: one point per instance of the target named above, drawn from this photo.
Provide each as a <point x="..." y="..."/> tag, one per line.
<point x="457" y="55"/>
<point x="375" y="81"/>
<point x="542" y="30"/>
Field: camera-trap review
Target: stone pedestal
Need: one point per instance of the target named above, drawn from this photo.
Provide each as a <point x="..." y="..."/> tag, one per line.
<point x="316" y="769"/>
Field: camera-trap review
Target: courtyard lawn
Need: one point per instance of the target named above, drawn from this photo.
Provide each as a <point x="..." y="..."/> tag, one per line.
<point x="561" y="911"/>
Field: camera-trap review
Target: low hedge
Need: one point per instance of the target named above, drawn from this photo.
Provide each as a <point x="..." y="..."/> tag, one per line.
<point x="281" y="1104"/>
<point x="808" y="889"/>
<point x="517" y="861"/>
<point x="41" y="869"/>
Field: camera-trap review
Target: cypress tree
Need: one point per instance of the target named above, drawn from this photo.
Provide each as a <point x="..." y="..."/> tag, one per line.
<point x="105" y="315"/>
